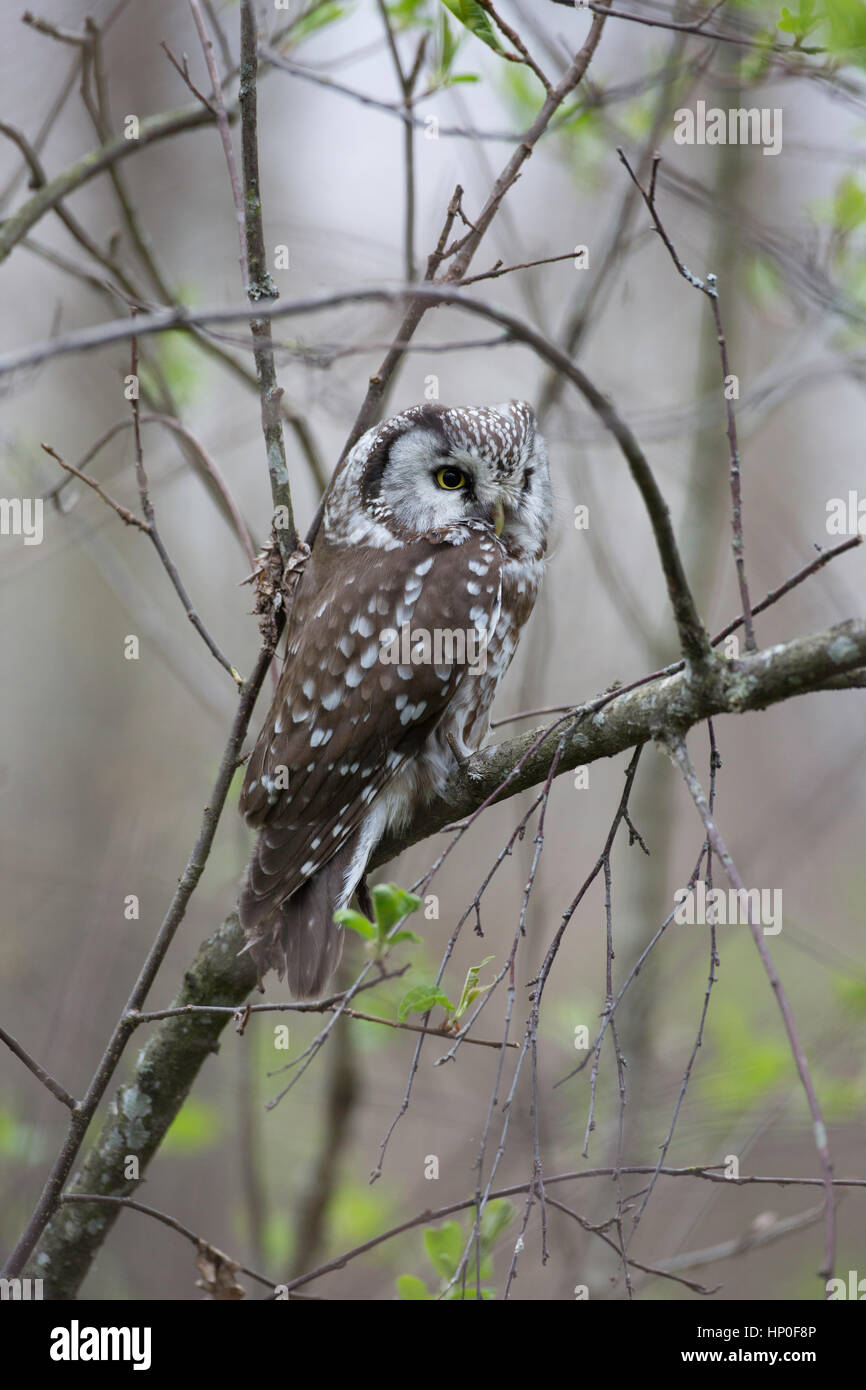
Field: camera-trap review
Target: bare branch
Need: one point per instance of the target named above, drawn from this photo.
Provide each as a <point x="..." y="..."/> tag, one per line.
<point x="679" y="754"/>
<point x="260" y="287"/>
<point x="58" y="1091"/>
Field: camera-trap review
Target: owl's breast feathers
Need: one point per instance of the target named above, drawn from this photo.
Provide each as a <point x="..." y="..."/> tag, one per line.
<point x="350" y="712"/>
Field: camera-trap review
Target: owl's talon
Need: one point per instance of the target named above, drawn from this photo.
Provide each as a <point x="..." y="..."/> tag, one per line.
<point x="459" y="757"/>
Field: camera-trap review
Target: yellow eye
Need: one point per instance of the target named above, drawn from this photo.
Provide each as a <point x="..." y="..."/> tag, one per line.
<point x="451" y="479"/>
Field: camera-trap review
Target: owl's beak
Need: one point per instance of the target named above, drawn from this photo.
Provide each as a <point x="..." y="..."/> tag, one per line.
<point x="498" y="516"/>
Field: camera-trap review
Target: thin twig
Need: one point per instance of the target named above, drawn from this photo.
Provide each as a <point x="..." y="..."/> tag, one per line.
<point x="129" y="1204"/>
<point x="58" y="1091"/>
<point x="708" y="287"/>
<point x="260" y="287"/>
<point x="218" y="105"/>
<point x="707" y="1172"/>
<point x="495" y="272"/>
<point x="679" y="754"/>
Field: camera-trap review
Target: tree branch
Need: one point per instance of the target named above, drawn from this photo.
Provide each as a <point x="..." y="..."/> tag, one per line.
<point x="164" y="1073"/>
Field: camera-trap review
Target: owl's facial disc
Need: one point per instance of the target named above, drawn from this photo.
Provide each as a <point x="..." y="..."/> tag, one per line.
<point x="436" y="467"/>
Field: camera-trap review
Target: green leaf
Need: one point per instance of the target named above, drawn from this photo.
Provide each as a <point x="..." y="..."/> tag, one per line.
<point x="758" y="58"/>
<point x="355" y="921"/>
<point x="19" y="1140"/>
<point x="404" y="936"/>
<point x="473" y="18"/>
<point x="391" y="904"/>
<point x="447" y="49"/>
<point x="803" y="23"/>
<point x="444" y="1245"/>
<point x="278" y="1238"/>
<point x="849" y="204"/>
<point x="197" y="1126"/>
<point x="851" y="994"/>
<point x="175" y="361"/>
<point x="471" y="987"/>
<point x="846" y="29"/>
<point x="521" y="89"/>
<point x="315" y="19"/>
<point x="358" y="1211"/>
<point x="420" y="999"/>
<point x="495" y="1218"/>
<point x="411" y="1288"/>
<point x="763" y="281"/>
<point x="405" y="12"/>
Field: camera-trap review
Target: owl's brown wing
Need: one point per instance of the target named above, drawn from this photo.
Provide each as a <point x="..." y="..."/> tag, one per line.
<point x="344" y="720"/>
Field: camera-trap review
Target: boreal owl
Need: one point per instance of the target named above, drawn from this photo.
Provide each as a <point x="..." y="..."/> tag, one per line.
<point x="425" y="567"/>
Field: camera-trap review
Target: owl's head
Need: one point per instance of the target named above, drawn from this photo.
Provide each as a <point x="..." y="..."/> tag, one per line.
<point x="435" y="468"/>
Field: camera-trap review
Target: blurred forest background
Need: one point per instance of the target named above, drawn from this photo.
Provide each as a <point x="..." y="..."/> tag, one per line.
<point x="106" y="763"/>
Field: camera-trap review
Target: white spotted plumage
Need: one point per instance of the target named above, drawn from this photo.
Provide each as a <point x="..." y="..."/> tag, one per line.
<point x="403" y="564"/>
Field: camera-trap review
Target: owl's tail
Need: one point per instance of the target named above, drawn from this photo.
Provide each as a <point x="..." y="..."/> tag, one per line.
<point x="298" y="937"/>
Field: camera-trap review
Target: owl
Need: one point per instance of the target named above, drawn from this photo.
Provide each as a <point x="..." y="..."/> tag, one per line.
<point x="425" y="567"/>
